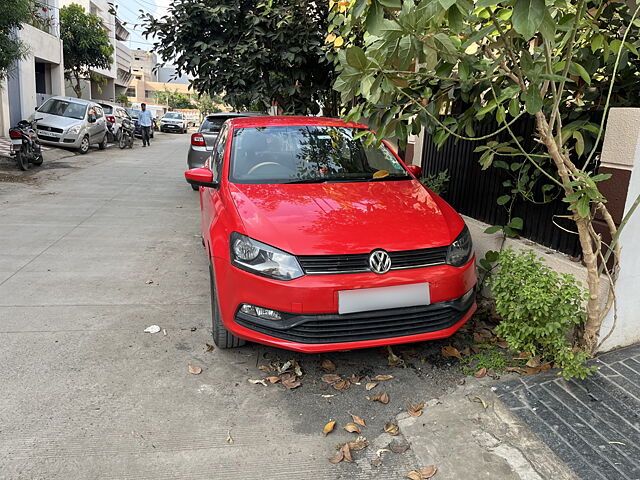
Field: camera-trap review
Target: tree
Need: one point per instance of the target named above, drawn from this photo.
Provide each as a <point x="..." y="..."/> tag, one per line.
<point x="445" y="64"/>
<point x="207" y="104"/>
<point x="251" y="52"/>
<point x="174" y="99"/>
<point x="86" y="44"/>
<point x="123" y="100"/>
<point x="14" y="13"/>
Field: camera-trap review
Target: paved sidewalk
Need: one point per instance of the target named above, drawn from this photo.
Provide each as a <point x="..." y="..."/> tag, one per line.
<point x="593" y="425"/>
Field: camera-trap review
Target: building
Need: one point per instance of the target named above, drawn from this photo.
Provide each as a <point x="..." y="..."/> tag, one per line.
<point x="123" y="60"/>
<point x="141" y="90"/>
<point x="144" y="64"/>
<point x="40" y="74"/>
<point x="106" y="88"/>
<point x="170" y="75"/>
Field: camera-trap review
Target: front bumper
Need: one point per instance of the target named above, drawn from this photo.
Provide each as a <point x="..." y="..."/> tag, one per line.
<point x="172" y="126"/>
<point x="64" y="140"/>
<point x="311" y="322"/>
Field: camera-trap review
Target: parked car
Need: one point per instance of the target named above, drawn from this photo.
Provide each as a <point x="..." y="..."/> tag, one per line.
<point x="318" y="242"/>
<point x="134" y="114"/>
<point x="71" y="122"/>
<point x="204" y="139"/>
<point x="114" y="115"/>
<point x="173" y="122"/>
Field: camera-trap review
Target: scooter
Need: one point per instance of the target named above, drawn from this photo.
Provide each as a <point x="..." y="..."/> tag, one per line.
<point x="25" y="145"/>
<point x="125" y="134"/>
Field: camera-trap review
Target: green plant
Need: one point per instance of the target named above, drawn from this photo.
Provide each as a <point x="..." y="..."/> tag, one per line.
<point x="447" y="64"/>
<point x="12" y="49"/>
<point x="489" y="358"/>
<point x="437" y="182"/>
<point x="173" y="98"/>
<point x="539" y="307"/>
<point x="86" y="44"/>
<point x="123" y="100"/>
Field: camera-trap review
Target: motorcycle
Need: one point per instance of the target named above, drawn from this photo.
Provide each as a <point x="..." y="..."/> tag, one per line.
<point x="125" y="134"/>
<point x="25" y="145"/>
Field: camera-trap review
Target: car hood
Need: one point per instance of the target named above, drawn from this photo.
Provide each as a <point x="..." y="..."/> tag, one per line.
<point x="341" y="218"/>
<point x="56" y="120"/>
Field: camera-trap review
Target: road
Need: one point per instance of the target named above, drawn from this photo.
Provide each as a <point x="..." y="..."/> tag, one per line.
<point x="94" y="249"/>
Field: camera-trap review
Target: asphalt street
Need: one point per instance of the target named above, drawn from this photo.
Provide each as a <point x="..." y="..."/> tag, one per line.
<point x="96" y="248"/>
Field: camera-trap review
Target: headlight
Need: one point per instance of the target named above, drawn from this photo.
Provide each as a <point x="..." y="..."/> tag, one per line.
<point x="259" y="258"/>
<point x="461" y="249"/>
<point x="74" y="130"/>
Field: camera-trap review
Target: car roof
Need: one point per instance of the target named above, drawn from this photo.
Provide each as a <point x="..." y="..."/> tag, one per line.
<point x="74" y="100"/>
<point x="291" y="120"/>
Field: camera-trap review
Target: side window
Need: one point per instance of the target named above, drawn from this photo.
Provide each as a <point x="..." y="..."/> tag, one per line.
<point x="218" y="154"/>
<point x="99" y="113"/>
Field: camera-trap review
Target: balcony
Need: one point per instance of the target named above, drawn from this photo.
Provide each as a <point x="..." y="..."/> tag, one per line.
<point x="45" y="18"/>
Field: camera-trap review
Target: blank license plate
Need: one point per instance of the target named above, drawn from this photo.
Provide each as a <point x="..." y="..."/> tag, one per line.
<point x="398" y="296"/>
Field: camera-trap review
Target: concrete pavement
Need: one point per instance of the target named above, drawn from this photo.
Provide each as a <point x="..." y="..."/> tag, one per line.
<point x="95" y="251"/>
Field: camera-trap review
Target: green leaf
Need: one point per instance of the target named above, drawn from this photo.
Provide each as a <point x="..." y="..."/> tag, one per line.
<point x="527" y="17"/>
<point x="390" y="3"/>
<point x="579" y="143"/>
<point x="446" y="3"/>
<point x="503" y="200"/>
<point x="501" y="114"/>
<point x="532" y="100"/>
<point x="514" y="107"/>
<point x="375" y="16"/>
<point x="596" y="42"/>
<point x="601" y="177"/>
<point x="455" y="19"/>
<point x="577" y="69"/>
<point x="486" y="3"/>
<point x="516" y="223"/>
<point x="548" y="26"/>
<point x="356" y="58"/>
<point x="493" y="229"/>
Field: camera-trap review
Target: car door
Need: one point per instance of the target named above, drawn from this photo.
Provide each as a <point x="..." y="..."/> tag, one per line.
<point x="211" y="198"/>
<point x="101" y="124"/>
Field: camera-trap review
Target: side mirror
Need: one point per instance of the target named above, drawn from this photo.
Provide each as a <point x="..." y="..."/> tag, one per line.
<point x="415" y="170"/>
<point x="201" y="177"/>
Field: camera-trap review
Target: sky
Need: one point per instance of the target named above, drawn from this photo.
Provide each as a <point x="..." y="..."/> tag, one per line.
<point x="129" y="11"/>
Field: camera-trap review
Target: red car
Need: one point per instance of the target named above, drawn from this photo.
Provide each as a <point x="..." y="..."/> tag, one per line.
<point x="317" y="242"/>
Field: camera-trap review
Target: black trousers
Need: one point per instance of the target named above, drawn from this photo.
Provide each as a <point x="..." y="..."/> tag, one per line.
<point x="145" y="135"/>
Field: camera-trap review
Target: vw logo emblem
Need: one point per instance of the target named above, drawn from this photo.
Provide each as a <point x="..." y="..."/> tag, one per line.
<point x="379" y="262"/>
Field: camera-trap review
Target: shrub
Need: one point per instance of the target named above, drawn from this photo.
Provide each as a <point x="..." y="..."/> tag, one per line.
<point x="539" y="308"/>
<point x="437" y="182"/>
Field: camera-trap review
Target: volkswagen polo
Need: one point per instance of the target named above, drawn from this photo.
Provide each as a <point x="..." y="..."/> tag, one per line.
<point x="318" y="242"/>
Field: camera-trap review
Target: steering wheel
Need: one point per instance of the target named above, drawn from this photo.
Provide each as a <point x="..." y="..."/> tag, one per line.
<point x="263" y="164"/>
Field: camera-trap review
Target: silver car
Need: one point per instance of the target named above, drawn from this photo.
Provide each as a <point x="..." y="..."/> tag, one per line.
<point x="71" y="122"/>
<point x="173" y="122"/>
<point x="204" y="139"/>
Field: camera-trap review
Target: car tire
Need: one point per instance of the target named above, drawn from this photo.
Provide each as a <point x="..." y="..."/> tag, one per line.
<point x="84" y="145"/>
<point x="103" y="144"/>
<point x="221" y="336"/>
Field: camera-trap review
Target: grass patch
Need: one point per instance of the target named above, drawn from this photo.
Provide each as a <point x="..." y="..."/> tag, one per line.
<point x="489" y="358"/>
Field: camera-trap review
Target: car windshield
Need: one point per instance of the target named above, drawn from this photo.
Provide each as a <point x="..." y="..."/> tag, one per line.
<point x="309" y="154"/>
<point x="64" y="108"/>
<point x="134" y="114"/>
<point x="173" y="115"/>
<point x="108" y="109"/>
<point x="212" y="124"/>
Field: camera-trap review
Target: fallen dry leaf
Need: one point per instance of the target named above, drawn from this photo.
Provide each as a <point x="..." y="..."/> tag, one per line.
<point x="229" y="439"/>
<point x="265" y="369"/>
<point x="514" y="369"/>
<point x="449" y="351"/>
<point x="466" y="351"/>
<point x="354" y="379"/>
<point x="255" y="382"/>
<point x="545" y="366"/>
<point x="414" y="475"/>
<point x="523" y="355"/>
<point x="534" y="362"/>
<point x="194" y="370"/>
<point x="531" y="371"/>
<point x="273" y="379"/>
<point x="381" y="397"/>
<point x="482" y="372"/>
<point x="290" y="381"/>
<point x="330" y="378"/>
<point x="391" y="428"/>
<point x="209" y="347"/>
<point x="346" y="453"/>
<point x="337" y="458"/>
<point x="381" y="451"/>
<point x="398" y="448"/>
<point x="342" y="385"/>
<point x="360" y="443"/>
<point x="428" y="472"/>
<point x="370" y="385"/>
<point x="502" y="344"/>
<point x="392" y="359"/>
<point x="328" y="366"/>
<point x="358" y="420"/>
<point x="352" y="428"/>
<point x="416" y="410"/>
<point x="328" y="428"/>
<point x="382" y="378"/>
<point x="480" y="400"/>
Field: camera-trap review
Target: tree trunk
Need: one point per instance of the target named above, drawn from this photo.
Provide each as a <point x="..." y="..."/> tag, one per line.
<point x="77" y="88"/>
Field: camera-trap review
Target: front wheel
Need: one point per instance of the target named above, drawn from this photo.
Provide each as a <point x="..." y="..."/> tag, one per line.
<point x="38" y="160"/>
<point x="84" y="145"/>
<point x="23" y="161"/>
<point x="103" y="144"/>
<point x="122" y="141"/>
<point x="221" y="336"/>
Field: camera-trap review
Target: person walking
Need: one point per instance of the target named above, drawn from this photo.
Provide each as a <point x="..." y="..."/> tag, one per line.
<point x="145" y="124"/>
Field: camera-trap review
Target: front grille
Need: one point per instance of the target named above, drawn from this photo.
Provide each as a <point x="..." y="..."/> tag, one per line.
<point x="45" y="128"/>
<point x="354" y="327"/>
<point x="48" y="138"/>
<point x="358" y="263"/>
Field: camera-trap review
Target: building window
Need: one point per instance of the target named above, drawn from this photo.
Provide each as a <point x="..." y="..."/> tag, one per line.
<point x="148" y="93"/>
<point x="131" y="92"/>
